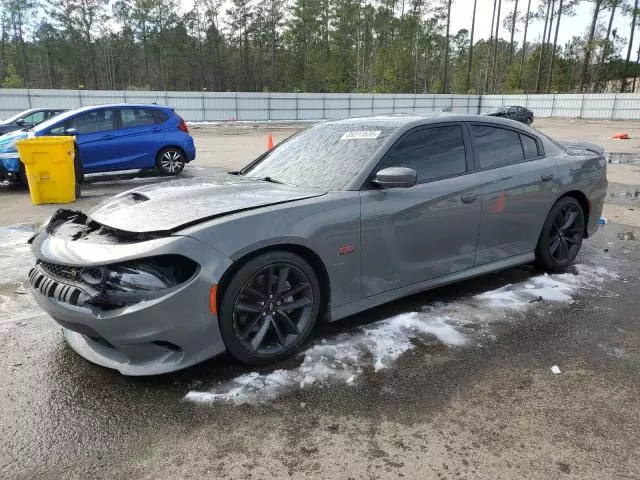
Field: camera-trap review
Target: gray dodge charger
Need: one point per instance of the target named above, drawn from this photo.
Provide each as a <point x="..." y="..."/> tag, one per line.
<point x="339" y="218"/>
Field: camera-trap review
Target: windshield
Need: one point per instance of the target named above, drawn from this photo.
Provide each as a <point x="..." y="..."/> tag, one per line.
<point x="498" y="110"/>
<point x="17" y="116"/>
<point x="325" y="156"/>
<point x="53" y="120"/>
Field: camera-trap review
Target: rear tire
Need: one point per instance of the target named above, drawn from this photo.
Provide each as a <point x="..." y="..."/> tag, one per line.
<point x="269" y="308"/>
<point x="561" y="236"/>
<point x="77" y="167"/>
<point x="171" y="161"/>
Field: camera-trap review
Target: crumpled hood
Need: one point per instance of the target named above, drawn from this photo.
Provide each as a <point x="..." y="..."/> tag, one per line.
<point x="170" y="206"/>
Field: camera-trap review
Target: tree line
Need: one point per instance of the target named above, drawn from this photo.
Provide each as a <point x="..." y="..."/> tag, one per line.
<point x="313" y="46"/>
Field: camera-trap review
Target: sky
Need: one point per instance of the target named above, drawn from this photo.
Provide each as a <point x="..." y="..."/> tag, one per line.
<point x="461" y="12"/>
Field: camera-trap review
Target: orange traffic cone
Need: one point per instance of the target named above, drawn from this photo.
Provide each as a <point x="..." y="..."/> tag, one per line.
<point x="620" y="136"/>
<point x="269" y="142"/>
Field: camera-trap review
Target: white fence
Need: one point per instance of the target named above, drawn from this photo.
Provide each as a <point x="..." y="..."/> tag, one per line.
<point x="245" y="106"/>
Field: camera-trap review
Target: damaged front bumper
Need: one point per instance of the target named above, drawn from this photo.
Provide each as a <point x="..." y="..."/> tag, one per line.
<point x="167" y="331"/>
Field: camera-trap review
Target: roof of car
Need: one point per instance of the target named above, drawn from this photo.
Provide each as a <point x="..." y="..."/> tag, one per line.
<point x="406" y="121"/>
<point x="121" y="105"/>
<point x="71" y="113"/>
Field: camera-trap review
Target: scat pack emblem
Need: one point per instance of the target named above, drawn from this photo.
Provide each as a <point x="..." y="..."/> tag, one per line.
<point x="346" y="250"/>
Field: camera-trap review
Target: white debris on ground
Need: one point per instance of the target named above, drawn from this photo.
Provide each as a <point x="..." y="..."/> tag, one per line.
<point x="377" y="346"/>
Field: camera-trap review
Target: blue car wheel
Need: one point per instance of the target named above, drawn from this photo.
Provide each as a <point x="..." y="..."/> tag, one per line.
<point x="171" y="161"/>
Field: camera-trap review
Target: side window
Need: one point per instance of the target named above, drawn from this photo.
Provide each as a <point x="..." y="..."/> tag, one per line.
<point x="136" y="117"/>
<point x="496" y="146"/>
<point x="159" y="116"/>
<point x="91" y="122"/>
<point x="59" y="130"/>
<point x="512" y="110"/>
<point x="529" y="146"/>
<point x="433" y="153"/>
<point x="34" y="118"/>
<point x="53" y="113"/>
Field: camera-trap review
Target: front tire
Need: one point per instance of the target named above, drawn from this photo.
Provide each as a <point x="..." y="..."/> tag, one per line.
<point x="269" y="308"/>
<point x="561" y="236"/>
<point x="528" y="120"/>
<point x="171" y="161"/>
<point x="22" y="176"/>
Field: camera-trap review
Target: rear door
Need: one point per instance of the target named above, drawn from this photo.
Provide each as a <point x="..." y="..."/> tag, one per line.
<point x="96" y="138"/>
<point x="414" y="234"/>
<point x="140" y="136"/>
<point x="518" y="183"/>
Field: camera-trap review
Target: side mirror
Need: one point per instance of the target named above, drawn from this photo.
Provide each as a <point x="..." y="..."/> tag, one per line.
<point x="71" y="132"/>
<point x="396" y="177"/>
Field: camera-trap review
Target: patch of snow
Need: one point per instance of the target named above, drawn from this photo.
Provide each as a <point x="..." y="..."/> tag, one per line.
<point x="15" y="253"/>
<point x="377" y="346"/>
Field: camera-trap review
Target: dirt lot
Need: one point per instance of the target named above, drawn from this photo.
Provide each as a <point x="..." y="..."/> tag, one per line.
<point x="469" y="394"/>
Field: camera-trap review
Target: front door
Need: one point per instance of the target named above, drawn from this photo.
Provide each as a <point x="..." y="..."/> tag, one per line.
<point x="409" y="235"/>
<point x="518" y="183"/>
<point x="96" y="138"/>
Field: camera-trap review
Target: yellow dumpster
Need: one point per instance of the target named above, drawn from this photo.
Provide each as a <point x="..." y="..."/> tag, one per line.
<point x="49" y="164"/>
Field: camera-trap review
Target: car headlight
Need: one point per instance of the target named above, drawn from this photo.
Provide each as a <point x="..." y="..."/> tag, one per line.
<point x="135" y="277"/>
<point x="134" y="281"/>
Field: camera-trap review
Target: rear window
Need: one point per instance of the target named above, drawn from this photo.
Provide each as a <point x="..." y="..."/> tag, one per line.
<point x="136" y="117"/>
<point x="159" y="116"/>
<point x="529" y="146"/>
<point x="496" y="146"/>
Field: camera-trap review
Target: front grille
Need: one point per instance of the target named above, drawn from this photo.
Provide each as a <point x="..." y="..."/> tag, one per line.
<point x="61" y="271"/>
<point x="55" y="287"/>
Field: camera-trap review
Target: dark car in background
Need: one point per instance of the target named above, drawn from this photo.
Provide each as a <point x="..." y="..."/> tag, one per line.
<point x="513" y="112"/>
<point x="28" y="119"/>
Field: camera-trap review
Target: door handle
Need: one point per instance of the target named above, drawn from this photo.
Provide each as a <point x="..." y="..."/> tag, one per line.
<point x="469" y="198"/>
<point x="546" y="176"/>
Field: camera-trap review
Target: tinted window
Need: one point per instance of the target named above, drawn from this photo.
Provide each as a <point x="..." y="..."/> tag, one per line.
<point x="136" y="117"/>
<point x="325" y="156"/>
<point x="530" y="146"/>
<point x="432" y="152"/>
<point x="496" y="146"/>
<point x="159" y="116"/>
<point x="52" y="113"/>
<point x="96" y="121"/>
<point x="34" y="118"/>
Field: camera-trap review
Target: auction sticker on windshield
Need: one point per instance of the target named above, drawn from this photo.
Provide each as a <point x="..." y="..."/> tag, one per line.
<point x="361" y="135"/>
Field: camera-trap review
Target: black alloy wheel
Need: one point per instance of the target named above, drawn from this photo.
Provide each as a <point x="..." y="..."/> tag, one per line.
<point x="270" y="308"/>
<point x="562" y="235"/>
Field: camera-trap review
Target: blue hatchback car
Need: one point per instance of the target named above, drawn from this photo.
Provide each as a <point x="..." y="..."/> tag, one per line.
<point x="112" y="138"/>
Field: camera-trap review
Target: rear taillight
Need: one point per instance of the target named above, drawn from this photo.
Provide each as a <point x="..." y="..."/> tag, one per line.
<point x="183" y="126"/>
